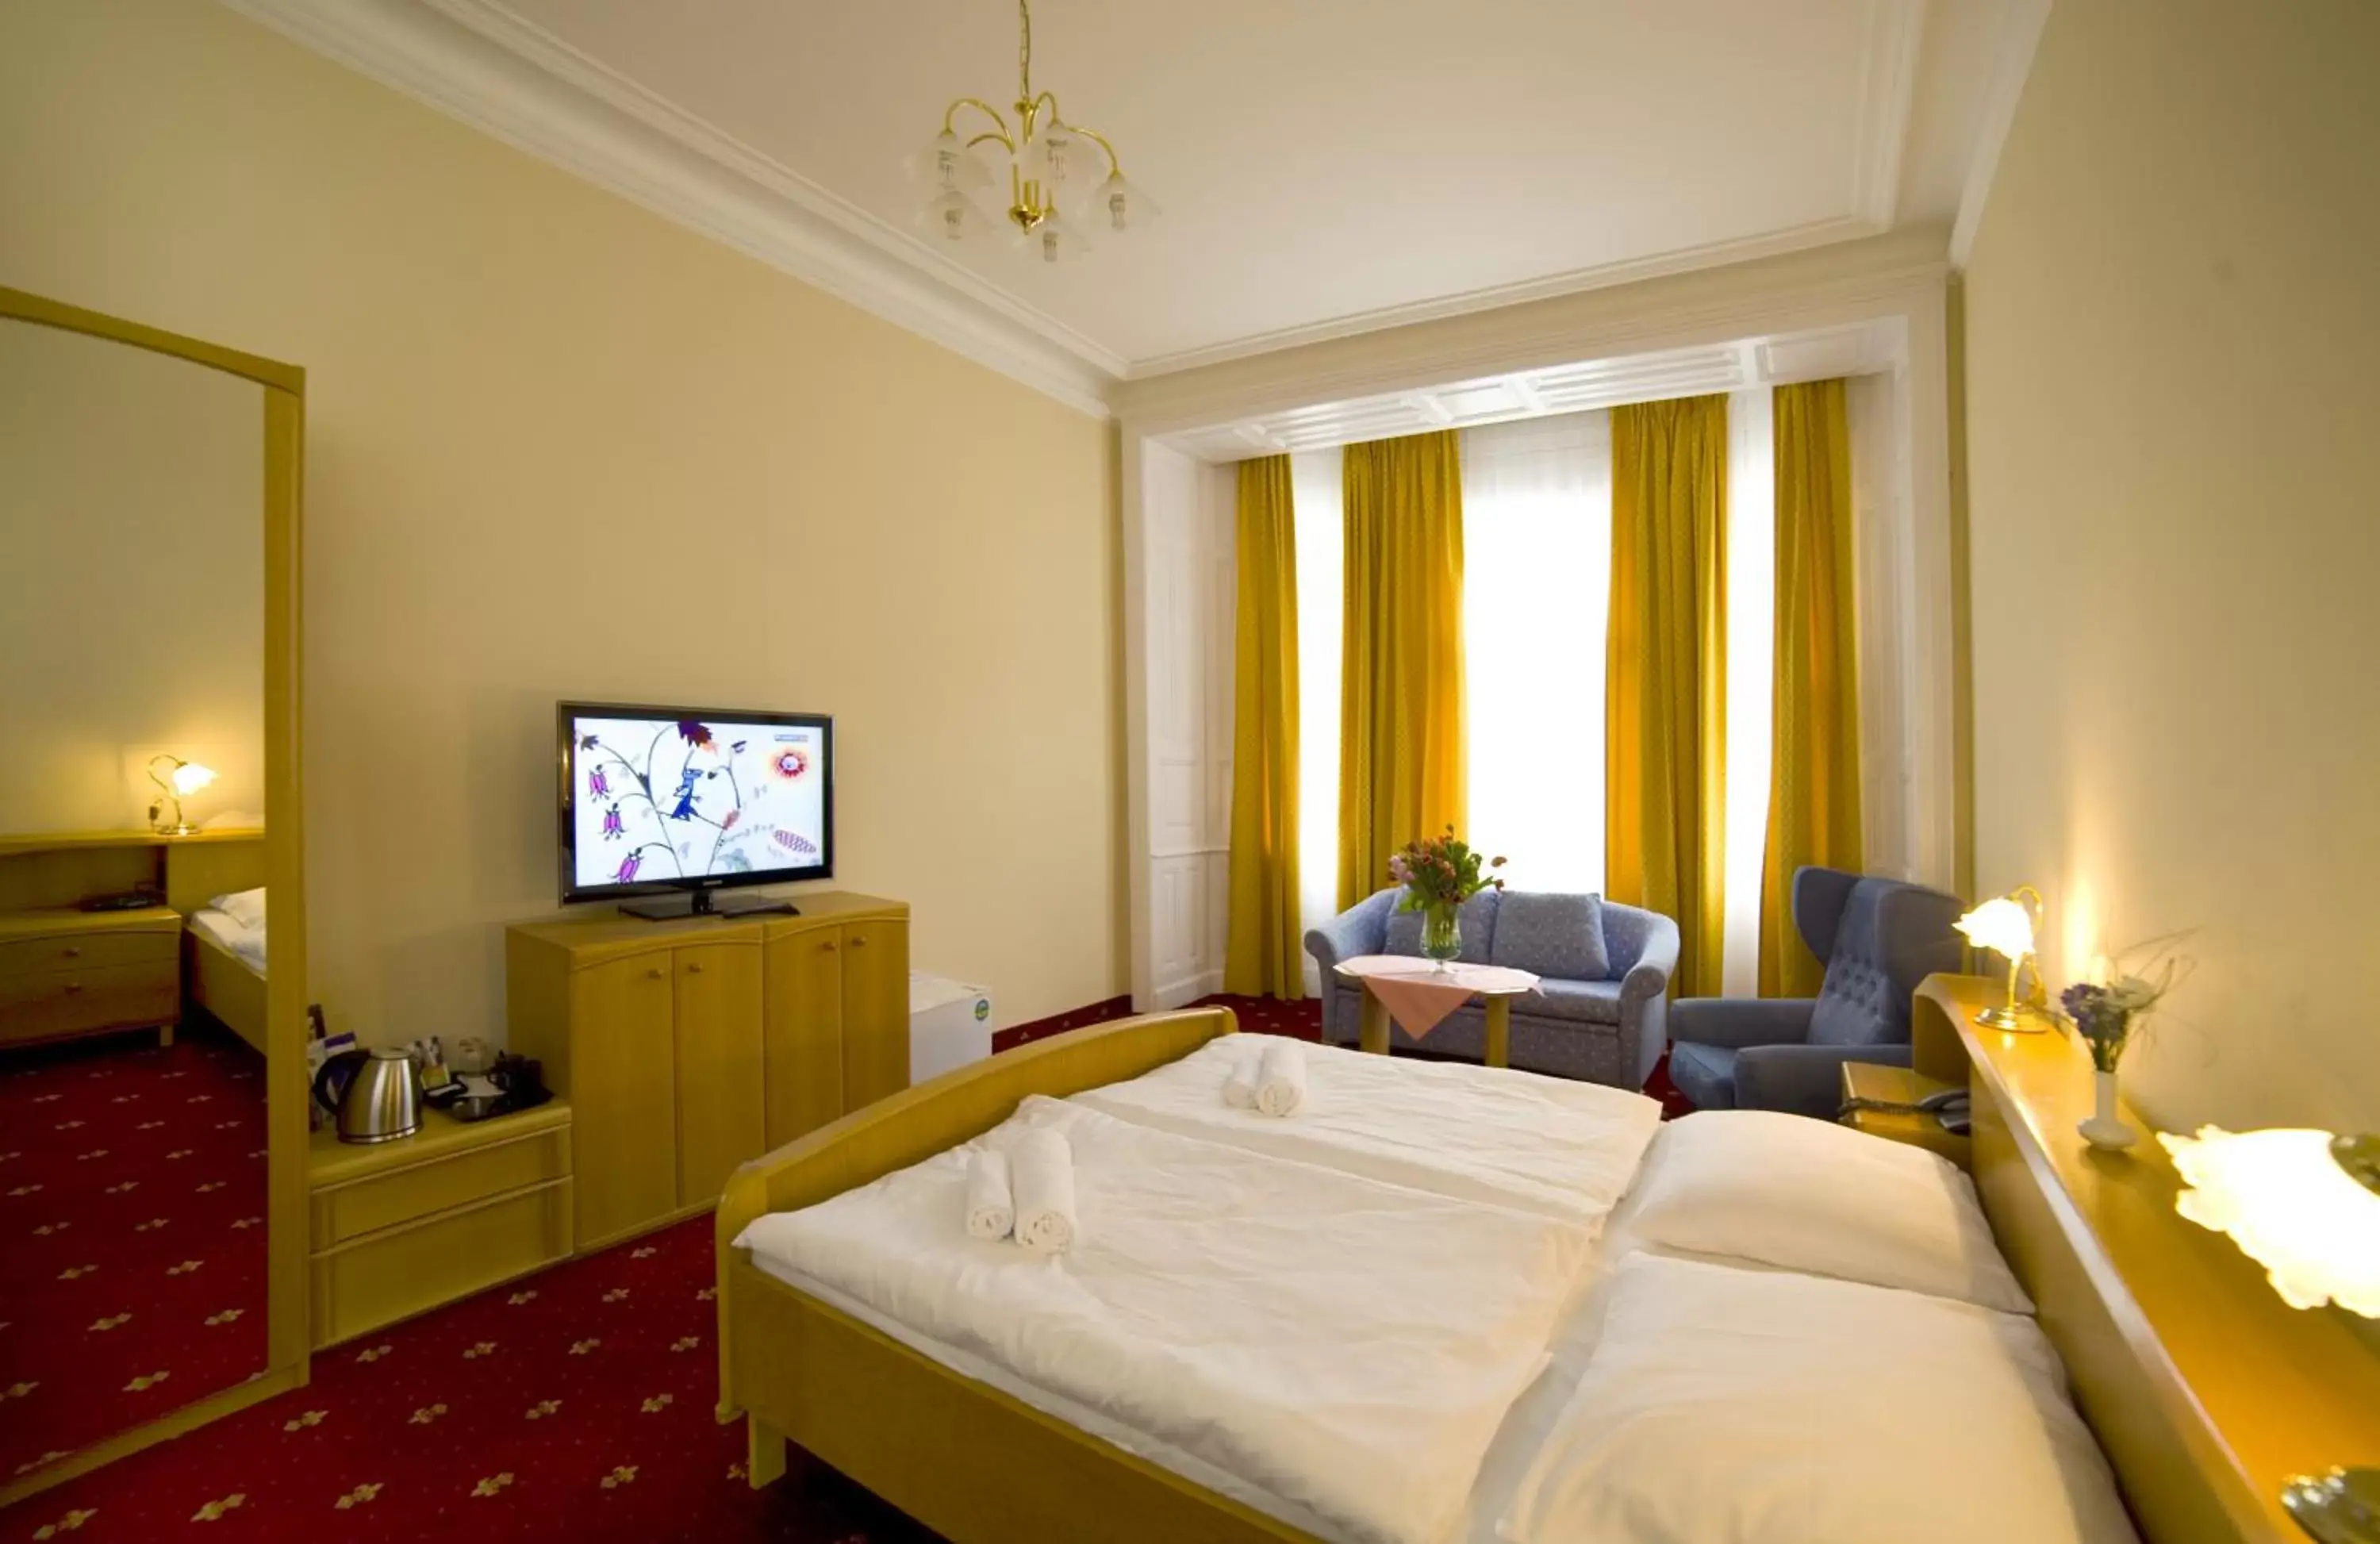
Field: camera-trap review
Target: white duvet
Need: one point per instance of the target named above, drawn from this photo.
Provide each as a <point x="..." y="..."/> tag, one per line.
<point x="1470" y="1132"/>
<point x="240" y="937"/>
<point x="1346" y="1344"/>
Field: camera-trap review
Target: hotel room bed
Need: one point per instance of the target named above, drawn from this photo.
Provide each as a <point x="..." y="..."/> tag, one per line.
<point x="224" y="970"/>
<point x="963" y="1436"/>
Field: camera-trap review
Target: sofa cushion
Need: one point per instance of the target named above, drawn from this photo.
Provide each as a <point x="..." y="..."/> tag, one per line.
<point x="1476" y="916"/>
<point x="1579" y="1002"/>
<point x="1704" y="1074"/>
<point x="1552" y="935"/>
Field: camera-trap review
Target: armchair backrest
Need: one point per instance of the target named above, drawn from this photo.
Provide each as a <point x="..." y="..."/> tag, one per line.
<point x="1880" y="938"/>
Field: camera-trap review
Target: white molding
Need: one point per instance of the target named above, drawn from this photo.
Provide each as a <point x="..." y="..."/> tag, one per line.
<point x="1888" y="87"/>
<point x="475" y="63"/>
<point x="2020" y="29"/>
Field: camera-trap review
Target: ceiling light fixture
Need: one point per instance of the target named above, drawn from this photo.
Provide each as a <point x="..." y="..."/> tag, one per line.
<point x="1058" y="171"/>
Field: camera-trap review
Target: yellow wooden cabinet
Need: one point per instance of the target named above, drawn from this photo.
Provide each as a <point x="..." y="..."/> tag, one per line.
<point x="689" y="1047"/>
<point x="398" y="1228"/>
<point x="67" y="972"/>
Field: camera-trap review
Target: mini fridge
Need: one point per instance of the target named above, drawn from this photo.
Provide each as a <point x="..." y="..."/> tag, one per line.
<point x="950" y="1025"/>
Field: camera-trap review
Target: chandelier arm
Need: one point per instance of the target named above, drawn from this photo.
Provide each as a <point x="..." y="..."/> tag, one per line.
<point x="950" y="117"/>
<point x="1115" y="162"/>
<point x="1023" y="51"/>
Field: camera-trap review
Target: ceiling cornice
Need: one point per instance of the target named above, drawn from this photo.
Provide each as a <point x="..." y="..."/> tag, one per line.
<point x="475" y="63"/>
<point x="2020" y="29"/>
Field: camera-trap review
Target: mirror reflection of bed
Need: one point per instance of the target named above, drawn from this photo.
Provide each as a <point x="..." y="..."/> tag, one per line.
<point x="133" y="1137"/>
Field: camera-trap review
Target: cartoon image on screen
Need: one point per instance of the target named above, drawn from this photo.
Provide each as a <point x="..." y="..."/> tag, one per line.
<point x="682" y="800"/>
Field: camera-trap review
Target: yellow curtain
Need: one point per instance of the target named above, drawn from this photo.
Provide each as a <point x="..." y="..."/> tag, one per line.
<point x="1813" y="780"/>
<point x="1665" y="675"/>
<point x="1261" y="952"/>
<point x="1400" y="769"/>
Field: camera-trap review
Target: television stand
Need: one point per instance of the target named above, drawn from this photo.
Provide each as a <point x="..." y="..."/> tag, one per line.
<point x="701" y="902"/>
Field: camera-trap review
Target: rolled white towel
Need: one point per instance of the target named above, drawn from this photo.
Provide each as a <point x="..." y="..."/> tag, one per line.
<point x="1239" y="1087"/>
<point x="1042" y="1171"/>
<point x="990" y="1206"/>
<point x="1281" y="1077"/>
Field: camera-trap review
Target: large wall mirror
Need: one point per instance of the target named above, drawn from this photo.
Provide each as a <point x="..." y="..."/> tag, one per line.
<point x="152" y="1125"/>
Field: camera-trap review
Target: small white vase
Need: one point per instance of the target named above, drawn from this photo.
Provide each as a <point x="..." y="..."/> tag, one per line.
<point x="2106" y="1129"/>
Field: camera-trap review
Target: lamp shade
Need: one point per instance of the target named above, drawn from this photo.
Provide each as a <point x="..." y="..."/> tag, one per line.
<point x="189" y="777"/>
<point x="2290" y="1207"/>
<point x="2001" y="925"/>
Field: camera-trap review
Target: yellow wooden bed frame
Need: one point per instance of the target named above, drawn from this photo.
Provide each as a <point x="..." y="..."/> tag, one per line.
<point x="2204" y="1388"/>
<point x="225" y="985"/>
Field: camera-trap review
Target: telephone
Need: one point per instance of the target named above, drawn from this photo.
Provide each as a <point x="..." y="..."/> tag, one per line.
<point x="1950" y="1107"/>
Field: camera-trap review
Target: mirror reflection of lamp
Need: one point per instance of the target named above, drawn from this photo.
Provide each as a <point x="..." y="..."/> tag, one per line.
<point x="2006" y="925"/>
<point x="2304" y="1205"/>
<point x="182" y="779"/>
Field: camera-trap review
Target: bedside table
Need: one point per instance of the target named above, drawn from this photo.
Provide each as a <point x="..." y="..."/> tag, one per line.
<point x="398" y="1228"/>
<point x="66" y="972"/>
<point x="1901" y="1086"/>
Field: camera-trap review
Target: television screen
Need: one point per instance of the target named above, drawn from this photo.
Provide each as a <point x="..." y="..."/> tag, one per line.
<point x="679" y="798"/>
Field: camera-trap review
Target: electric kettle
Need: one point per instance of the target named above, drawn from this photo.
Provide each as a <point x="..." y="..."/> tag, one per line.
<point x="377" y="1093"/>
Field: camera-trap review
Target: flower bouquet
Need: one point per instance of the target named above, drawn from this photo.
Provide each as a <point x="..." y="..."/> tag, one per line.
<point x="1439" y="874"/>
<point x="2107" y="1016"/>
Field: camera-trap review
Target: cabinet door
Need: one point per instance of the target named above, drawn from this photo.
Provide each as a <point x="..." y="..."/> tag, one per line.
<point x="875" y="1011"/>
<point x="622" y="1096"/>
<point x="719" y="1098"/>
<point x="804" y="971"/>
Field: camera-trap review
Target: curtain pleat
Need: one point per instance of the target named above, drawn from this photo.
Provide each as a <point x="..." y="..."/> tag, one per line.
<point x="1664" y="669"/>
<point x="1813" y="780"/>
<point x="1261" y="950"/>
<point x="1400" y="758"/>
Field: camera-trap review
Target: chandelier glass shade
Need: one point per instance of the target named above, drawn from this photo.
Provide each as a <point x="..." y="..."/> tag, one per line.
<point x="1062" y="178"/>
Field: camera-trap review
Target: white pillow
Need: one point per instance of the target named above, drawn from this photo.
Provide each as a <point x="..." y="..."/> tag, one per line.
<point x="1726" y="1406"/>
<point x="245" y="906"/>
<point x="1804" y="1195"/>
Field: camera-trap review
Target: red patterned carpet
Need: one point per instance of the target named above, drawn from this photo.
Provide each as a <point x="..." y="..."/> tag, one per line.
<point x="132" y="1184"/>
<point x="574" y="1406"/>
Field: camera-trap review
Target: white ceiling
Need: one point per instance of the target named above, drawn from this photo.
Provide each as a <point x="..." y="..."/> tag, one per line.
<point x="1325" y="166"/>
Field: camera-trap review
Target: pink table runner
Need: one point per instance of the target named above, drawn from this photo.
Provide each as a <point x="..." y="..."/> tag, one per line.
<point x="1418" y="995"/>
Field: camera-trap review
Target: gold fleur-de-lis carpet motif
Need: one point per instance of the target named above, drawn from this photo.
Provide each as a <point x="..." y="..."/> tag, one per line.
<point x="118" y="1264"/>
<point x="585" y="1414"/>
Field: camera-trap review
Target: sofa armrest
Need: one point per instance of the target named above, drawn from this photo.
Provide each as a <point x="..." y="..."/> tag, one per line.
<point x="1803" y="1079"/>
<point x="1738" y="1022"/>
<point x="1361" y="930"/>
<point x="1648" y="974"/>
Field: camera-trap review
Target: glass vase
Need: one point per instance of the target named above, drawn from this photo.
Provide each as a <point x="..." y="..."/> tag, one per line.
<point x="1442" y="935"/>
<point x="2106" y="1128"/>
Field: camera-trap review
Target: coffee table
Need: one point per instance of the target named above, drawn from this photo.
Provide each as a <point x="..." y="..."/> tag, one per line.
<point x="1427" y="992"/>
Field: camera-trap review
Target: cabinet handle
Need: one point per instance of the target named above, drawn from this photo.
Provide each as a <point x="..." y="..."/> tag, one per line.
<point x="655" y="973"/>
<point x="828" y="946"/>
<point x="695" y="969"/>
<point x="860" y="939"/>
<point x="72" y="953"/>
<point x="73" y="987"/>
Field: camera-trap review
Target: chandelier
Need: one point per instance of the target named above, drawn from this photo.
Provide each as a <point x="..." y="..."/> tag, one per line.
<point x="1059" y="172"/>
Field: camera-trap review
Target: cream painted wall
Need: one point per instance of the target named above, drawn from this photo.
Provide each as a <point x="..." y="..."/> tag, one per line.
<point x="132" y="612"/>
<point x="557" y="446"/>
<point x="2175" y="457"/>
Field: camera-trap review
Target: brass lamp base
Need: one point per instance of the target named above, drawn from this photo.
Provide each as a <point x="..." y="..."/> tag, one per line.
<point x="2341" y="1507"/>
<point x="2011" y="1020"/>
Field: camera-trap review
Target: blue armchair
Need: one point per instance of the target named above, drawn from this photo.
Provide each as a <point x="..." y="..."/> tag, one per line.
<point x="1599" y="1010"/>
<point x="1880" y="938"/>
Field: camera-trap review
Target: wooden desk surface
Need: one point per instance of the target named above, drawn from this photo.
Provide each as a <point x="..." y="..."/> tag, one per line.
<point x="1899" y="1087"/>
<point x="329" y="1161"/>
<point x="57" y="921"/>
<point x="2180" y="1350"/>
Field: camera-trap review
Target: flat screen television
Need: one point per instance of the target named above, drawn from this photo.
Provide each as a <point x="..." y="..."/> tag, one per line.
<point x="692" y="801"/>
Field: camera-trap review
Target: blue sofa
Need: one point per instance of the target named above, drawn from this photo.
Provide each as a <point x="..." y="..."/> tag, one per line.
<point x="1597" y="1013"/>
<point x="1878" y="938"/>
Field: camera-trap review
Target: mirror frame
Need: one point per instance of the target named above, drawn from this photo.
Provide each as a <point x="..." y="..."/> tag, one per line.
<point x="287" y="1305"/>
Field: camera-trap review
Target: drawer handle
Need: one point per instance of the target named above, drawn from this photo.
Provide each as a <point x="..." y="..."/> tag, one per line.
<point x="72" y="953"/>
<point x="655" y="973"/>
<point x="74" y="986"/>
<point x="828" y="946"/>
<point x="694" y="969"/>
<point x="860" y="941"/>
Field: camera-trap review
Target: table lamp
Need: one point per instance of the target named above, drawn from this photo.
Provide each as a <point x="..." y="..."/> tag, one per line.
<point x="186" y="777"/>
<point x="2005" y="925"/>
<point x="2304" y="1205"/>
